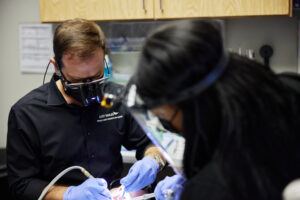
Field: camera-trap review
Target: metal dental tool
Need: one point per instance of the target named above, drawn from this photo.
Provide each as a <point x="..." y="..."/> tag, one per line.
<point x="144" y="197"/>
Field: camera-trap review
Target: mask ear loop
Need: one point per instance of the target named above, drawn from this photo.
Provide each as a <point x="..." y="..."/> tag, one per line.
<point x="174" y="115"/>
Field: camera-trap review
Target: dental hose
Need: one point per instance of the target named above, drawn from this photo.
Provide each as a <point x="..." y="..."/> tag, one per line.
<point x="55" y="179"/>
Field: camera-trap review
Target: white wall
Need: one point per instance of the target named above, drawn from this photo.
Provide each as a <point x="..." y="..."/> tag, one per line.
<point x="13" y="83"/>
<point x="280" y="32"/>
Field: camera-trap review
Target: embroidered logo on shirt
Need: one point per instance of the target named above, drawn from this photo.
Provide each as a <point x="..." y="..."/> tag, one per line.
<point x="109" y="116"/>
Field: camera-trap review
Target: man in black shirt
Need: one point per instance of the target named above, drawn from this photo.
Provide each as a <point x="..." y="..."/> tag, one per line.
<point x="61" y="124"/>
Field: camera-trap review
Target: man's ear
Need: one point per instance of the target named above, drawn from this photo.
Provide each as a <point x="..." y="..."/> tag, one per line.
<point x="52" y="60"/>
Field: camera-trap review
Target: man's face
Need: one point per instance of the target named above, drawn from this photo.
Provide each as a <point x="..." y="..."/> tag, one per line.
<point x="77" y="69"/>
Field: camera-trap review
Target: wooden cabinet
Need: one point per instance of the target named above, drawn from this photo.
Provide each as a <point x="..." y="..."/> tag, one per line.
<point x="172" y="9"/>
<point x="97" y="10"/>
<point x="102" y="10"/>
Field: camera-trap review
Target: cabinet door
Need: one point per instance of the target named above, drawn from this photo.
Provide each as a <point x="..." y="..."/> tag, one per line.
<point x="171" y="9"/>
<point x="97" y="10"/>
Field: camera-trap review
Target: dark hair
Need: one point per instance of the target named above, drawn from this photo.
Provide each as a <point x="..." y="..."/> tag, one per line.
<point x="247" y="121"/>
<point x="79" y="37"/>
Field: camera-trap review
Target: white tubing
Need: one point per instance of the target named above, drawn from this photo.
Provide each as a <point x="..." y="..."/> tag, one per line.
<point x="56" y="178"/>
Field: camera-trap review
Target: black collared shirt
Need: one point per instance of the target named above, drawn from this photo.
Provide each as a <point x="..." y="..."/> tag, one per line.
<point x="47" y="135"/>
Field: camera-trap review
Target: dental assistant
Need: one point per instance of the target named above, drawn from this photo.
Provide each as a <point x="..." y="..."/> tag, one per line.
<point x="239" y="119"/>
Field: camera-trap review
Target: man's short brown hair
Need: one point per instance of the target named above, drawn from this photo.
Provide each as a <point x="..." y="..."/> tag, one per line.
<point x="78" y="37"/>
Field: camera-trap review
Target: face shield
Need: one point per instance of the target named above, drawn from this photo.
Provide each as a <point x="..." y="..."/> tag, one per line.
<point x="170" y="144"/>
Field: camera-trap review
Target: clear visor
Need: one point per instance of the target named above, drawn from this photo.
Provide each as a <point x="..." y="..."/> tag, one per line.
<point x="170" y="144"/>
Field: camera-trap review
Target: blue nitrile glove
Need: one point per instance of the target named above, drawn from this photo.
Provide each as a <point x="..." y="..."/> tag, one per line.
<point x="174" y="183"/>
<point x="92" y="188"/>
<point x="141" y="174"/>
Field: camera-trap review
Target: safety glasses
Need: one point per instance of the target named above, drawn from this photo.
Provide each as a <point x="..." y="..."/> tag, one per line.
<point x="77" y="86"/>
<point x="88" y="91"/>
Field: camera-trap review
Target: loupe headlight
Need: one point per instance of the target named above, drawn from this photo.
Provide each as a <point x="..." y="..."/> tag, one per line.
<point x="85" y="92"/>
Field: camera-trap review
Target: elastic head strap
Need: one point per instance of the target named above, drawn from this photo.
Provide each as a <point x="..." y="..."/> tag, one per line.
<point x="196" y="89"/>
<point x="205" y="83"/>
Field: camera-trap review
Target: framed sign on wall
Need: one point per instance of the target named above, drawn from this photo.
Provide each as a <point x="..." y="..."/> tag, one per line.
<point x="35" y="42"/>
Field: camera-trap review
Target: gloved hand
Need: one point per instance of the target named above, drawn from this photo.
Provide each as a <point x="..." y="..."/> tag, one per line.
<point x="141" y="174"/>
<point x="174" y="183"/>
<point x="92" y="188"/>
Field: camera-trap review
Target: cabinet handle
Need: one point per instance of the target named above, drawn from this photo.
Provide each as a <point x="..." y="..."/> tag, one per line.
<point x="144" y="6"/>
<point x="160" y="6"/>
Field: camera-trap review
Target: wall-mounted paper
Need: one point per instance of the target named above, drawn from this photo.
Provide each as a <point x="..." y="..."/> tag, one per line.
<point x="35" y="47"/>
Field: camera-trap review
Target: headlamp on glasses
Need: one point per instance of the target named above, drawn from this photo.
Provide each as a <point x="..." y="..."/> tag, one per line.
<point x="86" y="92"/>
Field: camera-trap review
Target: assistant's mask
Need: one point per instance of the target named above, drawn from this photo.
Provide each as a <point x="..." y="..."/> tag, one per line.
<point x="167" y="125"/>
